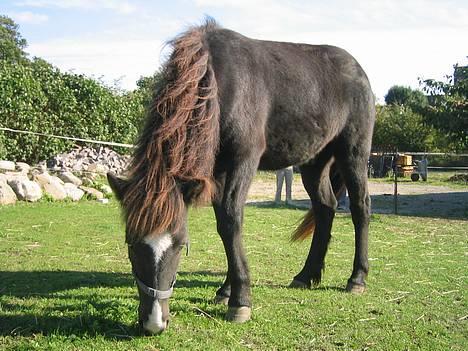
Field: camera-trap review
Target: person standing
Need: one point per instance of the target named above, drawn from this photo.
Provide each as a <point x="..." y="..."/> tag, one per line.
<point x="285" y="174"/>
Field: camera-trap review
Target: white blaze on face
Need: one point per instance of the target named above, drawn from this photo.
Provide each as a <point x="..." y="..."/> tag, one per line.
<point x="159" y="244"/>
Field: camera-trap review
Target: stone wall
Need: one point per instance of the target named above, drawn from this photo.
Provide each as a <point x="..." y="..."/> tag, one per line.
<point x="70" y="176"/>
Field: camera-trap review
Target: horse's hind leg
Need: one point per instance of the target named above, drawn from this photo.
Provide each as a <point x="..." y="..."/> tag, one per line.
<point x="316" y="180"/>
<point x="352" y="160"/>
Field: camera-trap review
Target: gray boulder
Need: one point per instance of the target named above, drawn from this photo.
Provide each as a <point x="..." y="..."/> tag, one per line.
<point x="93" y="192"/>
<point x="15" y="175"/>
<point x="69" y="177"/>
<point x="7" y="165"/>
<point x="51" y="185"/>
<point x="98" y="168"/>
<point x="73" y="192"/>
<point x="23" y="167"/>
<point x="42" y="178"/>
<point x="26" y="189"/>
<point x="55" y="189"/>
<point x="7" y="195"/>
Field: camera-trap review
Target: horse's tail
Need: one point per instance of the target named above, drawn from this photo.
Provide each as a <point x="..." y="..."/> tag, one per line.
<point x="175" y="154"/>
<point x="307" y="226"/>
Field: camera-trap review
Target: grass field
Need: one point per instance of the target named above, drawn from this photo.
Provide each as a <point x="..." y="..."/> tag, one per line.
<point x="65" y="285"/>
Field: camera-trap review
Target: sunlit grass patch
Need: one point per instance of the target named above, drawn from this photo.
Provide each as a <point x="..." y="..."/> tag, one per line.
<point x="65" y="284"/>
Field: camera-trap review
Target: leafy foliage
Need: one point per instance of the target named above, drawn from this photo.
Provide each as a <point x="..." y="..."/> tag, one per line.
<point x="11" y="42"/>
<point x="400" y="95"/>
<point x="399" y="127"/>
<point x="35" y="96"/>
<point x="448" y="110"/>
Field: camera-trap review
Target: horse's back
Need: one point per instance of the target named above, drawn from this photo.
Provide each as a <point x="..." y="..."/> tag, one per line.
<point x="293" y="98"/>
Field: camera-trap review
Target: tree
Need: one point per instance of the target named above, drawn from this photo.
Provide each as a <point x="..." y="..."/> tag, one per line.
<point x="400" y="95"/>
<point x="400" y="128"/>
<point x="12" y="44"/>
<point x="448" y="108"/>
<point x="147" y="87"/>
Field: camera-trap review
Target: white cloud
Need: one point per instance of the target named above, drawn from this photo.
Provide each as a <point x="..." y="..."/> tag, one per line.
<point x="123" y="60"/>
<point x="396" y="41"/>
<point x="28" y="17"/>
<point x="344" y="14"/>
<point x="124" y="7"/>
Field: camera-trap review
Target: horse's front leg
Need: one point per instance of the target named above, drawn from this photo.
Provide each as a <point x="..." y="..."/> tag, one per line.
<point x="229" y="217"/>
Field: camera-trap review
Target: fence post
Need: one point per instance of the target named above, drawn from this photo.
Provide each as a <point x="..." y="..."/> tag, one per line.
<point x="395" y="183"/>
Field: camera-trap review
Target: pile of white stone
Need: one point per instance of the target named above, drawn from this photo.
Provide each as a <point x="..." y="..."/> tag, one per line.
<point x="88" y="159"/>
<point x="20" y="181"/>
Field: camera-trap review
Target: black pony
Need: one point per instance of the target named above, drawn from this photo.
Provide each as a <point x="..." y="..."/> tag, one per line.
<point x="227" y="106"/>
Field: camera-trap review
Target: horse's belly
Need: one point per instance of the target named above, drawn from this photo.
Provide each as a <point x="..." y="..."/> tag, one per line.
<point x="285" y="153"/>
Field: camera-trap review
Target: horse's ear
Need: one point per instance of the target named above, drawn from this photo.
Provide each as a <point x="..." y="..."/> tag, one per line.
<point x="118" y="185"/>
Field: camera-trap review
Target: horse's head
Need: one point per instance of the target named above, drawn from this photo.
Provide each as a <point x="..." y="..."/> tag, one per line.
<point x="154" y="260"/>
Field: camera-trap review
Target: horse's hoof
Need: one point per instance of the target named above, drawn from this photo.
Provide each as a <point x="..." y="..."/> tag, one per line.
<point x="221" y="300"/>
<point x="297" y="284"/>
<point x="354" y="288"/>
<point x="239" y="314"/>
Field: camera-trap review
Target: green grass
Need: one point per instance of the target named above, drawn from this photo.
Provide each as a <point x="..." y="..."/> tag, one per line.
<point x="65" y="285"/>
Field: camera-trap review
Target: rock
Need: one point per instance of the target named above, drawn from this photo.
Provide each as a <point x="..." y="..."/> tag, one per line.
<point x="73" y="192"/>
<point x="42" y="178"/>
<point x="69" y="177"/>
<point x="57" y="179"/>
<point x="93" y="192"/>
<point x="55" y="189"/>
<point x="23" y="167"/>
<point x="103" y="201"/>
<point x="26" y="189"/>
<point x="97" y="168"/>
<point x="7" y="165"/>
<point x="51" y="185"/>
<point x="15" y="175"/>
<point x="7" y="195"/>
<point x="99" y="160"/>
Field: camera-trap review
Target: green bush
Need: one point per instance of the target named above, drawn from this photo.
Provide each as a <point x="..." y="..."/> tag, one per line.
<point x="38" y="97"/>
<point x="400" y="128"/>
<point x="35" y="96"/>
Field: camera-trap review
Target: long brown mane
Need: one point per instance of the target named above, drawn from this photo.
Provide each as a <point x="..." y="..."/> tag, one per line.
<point x="179" y="141"/>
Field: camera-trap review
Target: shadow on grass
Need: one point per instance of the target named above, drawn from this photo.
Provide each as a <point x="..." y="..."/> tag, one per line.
<point x="296" y="204"/>
<point x="62" y="313"/>
<point x="316" y="288"/>
<point x="451" y="205"/>
<point x="44" y="283"/>
<point x="26" y="324"/>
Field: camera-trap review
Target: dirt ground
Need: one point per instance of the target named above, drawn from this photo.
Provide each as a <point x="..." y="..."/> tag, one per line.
<point x="413" y="199"/>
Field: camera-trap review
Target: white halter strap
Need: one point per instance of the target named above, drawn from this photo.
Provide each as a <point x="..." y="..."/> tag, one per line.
<point x="154" y="293"/>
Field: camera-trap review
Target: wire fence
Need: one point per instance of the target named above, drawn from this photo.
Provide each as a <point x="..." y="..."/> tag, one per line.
<point x="100" y="142"/>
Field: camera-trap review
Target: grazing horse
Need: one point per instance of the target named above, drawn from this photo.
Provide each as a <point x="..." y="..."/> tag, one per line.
<point x="226" y="106"/>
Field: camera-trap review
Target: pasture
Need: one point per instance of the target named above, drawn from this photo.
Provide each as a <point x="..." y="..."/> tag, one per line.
<point x="65" y="284"/>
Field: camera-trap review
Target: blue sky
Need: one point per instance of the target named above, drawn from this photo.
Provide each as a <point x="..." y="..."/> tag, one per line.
<point x="118" y="40"/>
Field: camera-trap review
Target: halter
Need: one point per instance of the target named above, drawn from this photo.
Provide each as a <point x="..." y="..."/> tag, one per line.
<point x="154" y="293"/>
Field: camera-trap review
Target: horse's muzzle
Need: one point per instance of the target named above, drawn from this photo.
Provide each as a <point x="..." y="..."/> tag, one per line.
<point x="150" y="328"/>
<point x="158" y="320"/>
